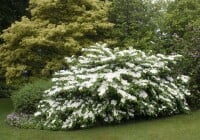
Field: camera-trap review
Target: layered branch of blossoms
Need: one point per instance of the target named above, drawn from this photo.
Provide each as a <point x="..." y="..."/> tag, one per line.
<point x="108" y="86"/>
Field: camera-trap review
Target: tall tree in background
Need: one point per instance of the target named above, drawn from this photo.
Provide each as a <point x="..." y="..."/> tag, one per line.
<point x="132" y="20"/>
<point x="161" y="39"/>
<point x="183" y="29"/>
<point x="57" y="28"/>
<point x="181" y="16"/>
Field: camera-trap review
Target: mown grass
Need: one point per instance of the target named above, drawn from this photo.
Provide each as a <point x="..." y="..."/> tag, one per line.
<point x="180" y="127"/>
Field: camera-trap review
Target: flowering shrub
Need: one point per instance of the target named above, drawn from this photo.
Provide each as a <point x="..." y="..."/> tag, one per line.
<point x="108" y="86"/>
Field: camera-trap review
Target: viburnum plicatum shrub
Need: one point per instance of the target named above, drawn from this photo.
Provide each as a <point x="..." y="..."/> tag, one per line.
<point x="108" y="86"/>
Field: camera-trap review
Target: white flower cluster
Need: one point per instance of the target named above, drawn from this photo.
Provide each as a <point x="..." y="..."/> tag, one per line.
<point x="105" y="86"/>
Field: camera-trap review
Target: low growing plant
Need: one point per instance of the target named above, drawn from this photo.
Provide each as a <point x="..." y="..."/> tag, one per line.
<point x="26" y="99"/>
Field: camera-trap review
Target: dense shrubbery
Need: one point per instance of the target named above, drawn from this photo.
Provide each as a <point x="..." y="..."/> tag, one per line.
<point x="109" y="86"/>
<point x="26" y="99"/>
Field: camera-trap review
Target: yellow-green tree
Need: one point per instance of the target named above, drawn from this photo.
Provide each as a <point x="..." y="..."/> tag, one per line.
<point x="57" y="28"/>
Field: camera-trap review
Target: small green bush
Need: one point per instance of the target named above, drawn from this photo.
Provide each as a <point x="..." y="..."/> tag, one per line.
<point x="27" y="97"/>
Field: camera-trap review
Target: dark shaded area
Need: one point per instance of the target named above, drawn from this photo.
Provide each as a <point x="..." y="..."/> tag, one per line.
<point x="12" y="10"/>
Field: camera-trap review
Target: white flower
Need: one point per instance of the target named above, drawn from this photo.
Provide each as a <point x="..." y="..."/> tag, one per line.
<point x="36" y="114"/>
<point x="126" y="95"/>
<point x="169" y="78"/>
<point x="143" y="94"/>
<point x="102" y="89"/>
<point x="184" y="78"/>
<point x="113" y="102"/>
<point x="153" y="71"/>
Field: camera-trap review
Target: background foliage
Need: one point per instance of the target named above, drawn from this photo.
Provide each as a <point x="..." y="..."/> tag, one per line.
<point x="182" y="28"/>
<point x="132" y="23"/>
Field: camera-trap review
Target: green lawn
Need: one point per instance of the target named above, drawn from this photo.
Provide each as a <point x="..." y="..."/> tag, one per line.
<point x="180" y="127"/>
